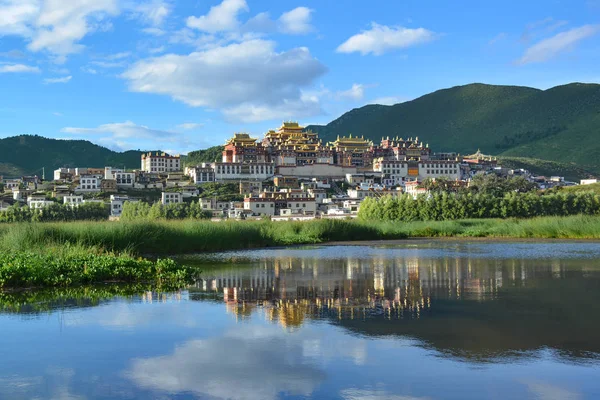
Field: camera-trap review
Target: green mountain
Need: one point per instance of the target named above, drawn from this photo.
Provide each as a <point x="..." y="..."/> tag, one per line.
<point x="561" y="125"/>
<point x="28" y="154"/>
<point x="209" y="155"/>
<point x="554" y="131"/>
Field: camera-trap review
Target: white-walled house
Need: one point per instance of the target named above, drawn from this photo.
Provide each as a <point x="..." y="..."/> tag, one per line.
<point x="171" y="198"/>
<point x="116" y="204"/>
<point x="38" y="201"/>
<point x="260" y="206"/>
<point x="236" y="171"/>
<point x="73" y="200"/>
<point x="123" y="178"/>
<point x="88" y="184"/>
<point x="201" y="173"/>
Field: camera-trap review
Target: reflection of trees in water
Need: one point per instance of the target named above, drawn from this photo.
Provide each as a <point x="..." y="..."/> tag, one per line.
<point x="471" y="308"/>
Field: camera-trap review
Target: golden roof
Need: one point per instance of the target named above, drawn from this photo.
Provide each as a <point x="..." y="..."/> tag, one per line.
<point x="241" y="139"/>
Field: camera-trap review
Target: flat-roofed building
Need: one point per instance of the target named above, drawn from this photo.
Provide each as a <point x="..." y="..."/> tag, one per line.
<point x="160" y="162"/>
<point x="171" y="198"/>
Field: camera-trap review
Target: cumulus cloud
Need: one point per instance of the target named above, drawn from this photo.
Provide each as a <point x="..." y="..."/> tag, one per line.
<point x="550" y="48"/>
<point x="248" y="81"/>
<point x="220" y="18"/>
<point x="63" y="79"/>
<point x="17" y="68"/>
<point x="17" y="16"/>
<point x="380" y="39"/>
<point x="60" y="25"/>
<point x="296" y="21"/>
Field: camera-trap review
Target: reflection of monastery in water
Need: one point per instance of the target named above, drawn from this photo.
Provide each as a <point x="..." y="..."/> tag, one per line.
<point x="290" y="289"/>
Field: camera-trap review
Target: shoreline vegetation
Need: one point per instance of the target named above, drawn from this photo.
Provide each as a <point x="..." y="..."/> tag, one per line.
<point x="86" y="253"/>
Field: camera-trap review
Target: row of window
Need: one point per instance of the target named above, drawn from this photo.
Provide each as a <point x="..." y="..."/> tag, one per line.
<point x="441" y="172"/>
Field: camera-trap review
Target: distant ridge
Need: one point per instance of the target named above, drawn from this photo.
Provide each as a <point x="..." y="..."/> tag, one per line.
<point x="28" y="154"/>
<point x="561" y="124"/>
<point x="554" y="131"/>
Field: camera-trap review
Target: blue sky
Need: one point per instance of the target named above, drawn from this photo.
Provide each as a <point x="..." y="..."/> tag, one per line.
<point x="180" y="75"/>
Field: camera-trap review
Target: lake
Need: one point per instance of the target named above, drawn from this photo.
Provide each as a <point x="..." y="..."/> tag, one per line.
<point x="408" y="321"/>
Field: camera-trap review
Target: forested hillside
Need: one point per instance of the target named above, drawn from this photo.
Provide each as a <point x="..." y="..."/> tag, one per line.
<point x="28" y="154"/>
<point x="561" y="124"/>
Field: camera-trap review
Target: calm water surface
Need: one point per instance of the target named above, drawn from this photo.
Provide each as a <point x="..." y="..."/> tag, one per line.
<point x="431" y="320"/>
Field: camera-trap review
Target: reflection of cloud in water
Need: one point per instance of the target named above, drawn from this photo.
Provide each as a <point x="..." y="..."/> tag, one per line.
<point x="251" y="364"/>
<point x="546" y="391"/>
<point x="359" y="394"/>
<point x="53" y="386"/>
<point x="127" y="316"/>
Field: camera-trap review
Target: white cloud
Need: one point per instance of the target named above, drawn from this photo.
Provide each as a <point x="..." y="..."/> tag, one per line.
<point x="261" y="22"/>
<point x="220" y="18"/>
<point x="17" y="68"/>
<point x="64" y="79"/>
<point x="60" y="24"/>
<point x="152" y="12"/>
<point x="248" y="81"/>
<point x="57" y="114"/>
<point x="13" y="54"/>
<point x="288" y="109"/>
<point x="540" y="28"/>
<point x="157" y="50"/>
<point x="121" y="130"/>
<point x="387" y="101"/>
<point x="127" y="135"/>
<point x="356" y="92"/>
<point x="381" y="39"/>
<point x="189" y="126"/>
<point x="89" y="70"/>
<point x="154" y="31"/>
<point x="551" y="47"/>
<point x="109" y="64"/>
<point x="118" y="56"/>
<point x="296" y="21"/>
<point x="17" y="16"/>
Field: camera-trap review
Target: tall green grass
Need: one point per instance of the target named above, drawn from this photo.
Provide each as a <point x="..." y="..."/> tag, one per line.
<point x="175" y="237"/>
<point x="83" y="253"/>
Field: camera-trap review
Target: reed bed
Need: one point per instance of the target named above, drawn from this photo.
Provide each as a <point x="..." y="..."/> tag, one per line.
<point x="189" y="236"/>
<point x="83" y="253"/>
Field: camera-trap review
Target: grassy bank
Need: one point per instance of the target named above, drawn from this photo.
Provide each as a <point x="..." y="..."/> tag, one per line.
<point x="78" y="253"/>
<point x="175" y="237"/>
<point x="78" y="265"/>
